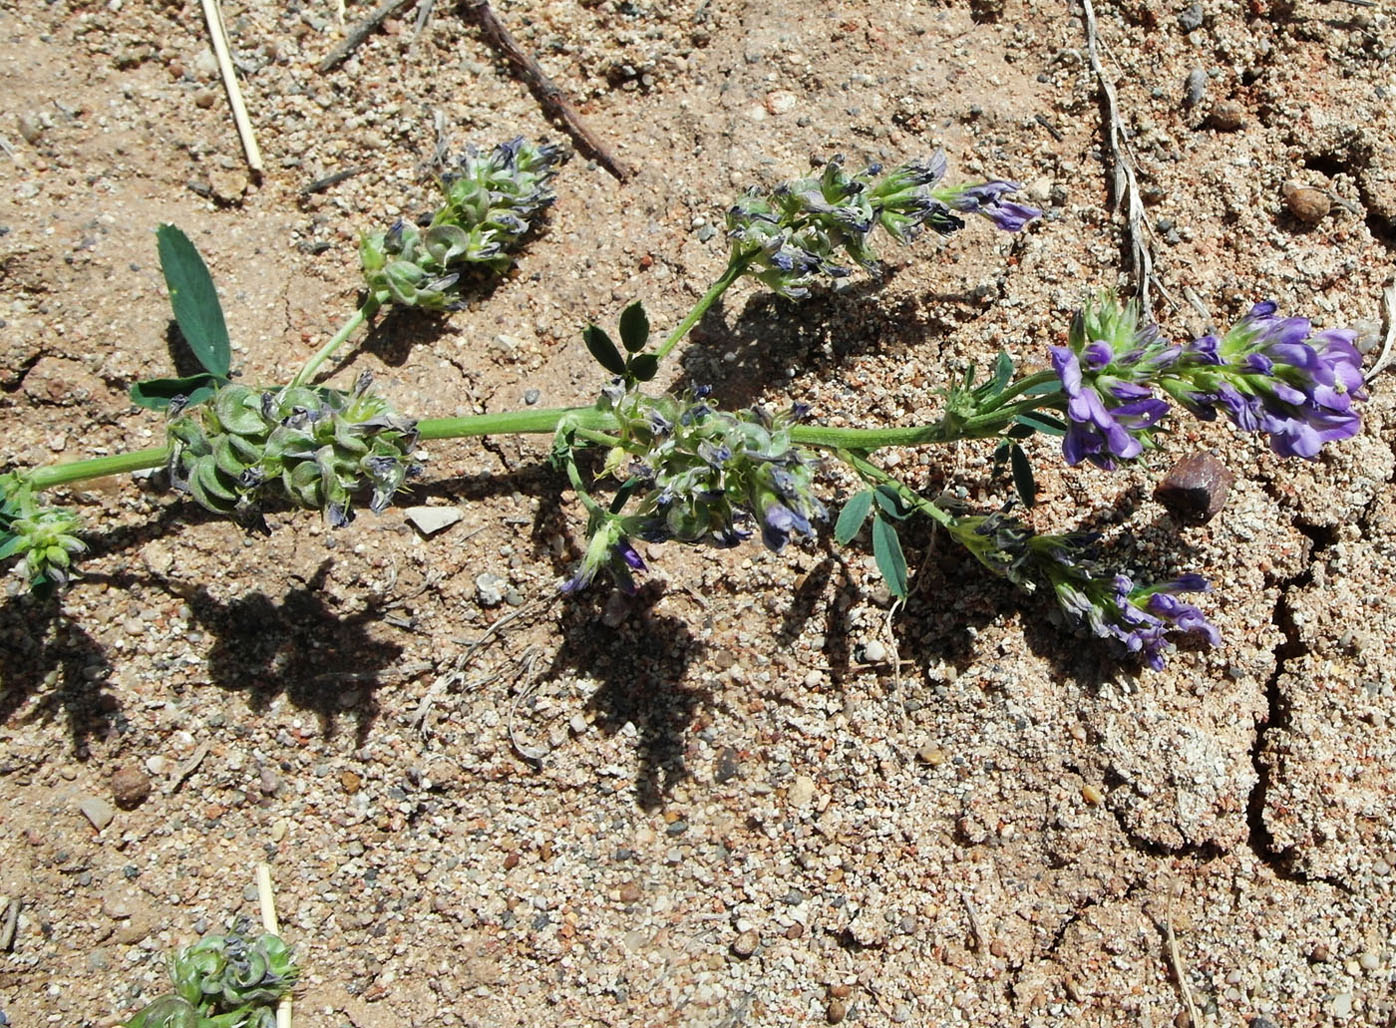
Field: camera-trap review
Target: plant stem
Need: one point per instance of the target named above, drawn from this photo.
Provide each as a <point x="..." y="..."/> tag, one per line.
<point x="368" y="310"/>
<point x="97" y="467"/>
<point x="736" y="268"/>
<point x="871" y="473"/>
<point x="525" y="422"/>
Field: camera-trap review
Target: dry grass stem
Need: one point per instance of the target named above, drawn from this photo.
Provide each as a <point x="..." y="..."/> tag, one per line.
<point x="222" y="52"/>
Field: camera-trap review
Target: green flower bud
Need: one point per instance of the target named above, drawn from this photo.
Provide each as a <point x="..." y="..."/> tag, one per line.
<point x="490" y="204"/>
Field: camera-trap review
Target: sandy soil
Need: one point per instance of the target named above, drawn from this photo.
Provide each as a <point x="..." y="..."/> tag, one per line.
<point x="737" y="810"/>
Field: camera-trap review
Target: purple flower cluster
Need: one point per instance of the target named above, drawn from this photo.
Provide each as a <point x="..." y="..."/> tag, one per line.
<point x="1111" y="604"/>
<point x="1140" y="617"/>
<point x="1268" y="375"/>
<point x="1275" y="376"/>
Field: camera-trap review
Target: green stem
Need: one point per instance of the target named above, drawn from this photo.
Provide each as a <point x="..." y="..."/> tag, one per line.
<point x="523" y="422"/>
<point x="874" y="475"/>
<point x="97" y="467"/>
<point x="368" y="310"/>
<point x="736" y="268"/>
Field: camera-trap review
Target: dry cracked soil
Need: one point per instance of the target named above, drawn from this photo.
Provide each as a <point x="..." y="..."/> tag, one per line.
<point x="750" y="795"/>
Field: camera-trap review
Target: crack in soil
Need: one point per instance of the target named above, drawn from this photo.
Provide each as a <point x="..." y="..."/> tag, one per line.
<point x="1260" y="838"/>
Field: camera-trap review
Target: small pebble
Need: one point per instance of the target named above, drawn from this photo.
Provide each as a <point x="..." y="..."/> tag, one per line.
<point x="1228" y="116"/>
<point x="1369" y="961"/>
<point x="801" y="791"/>
<point x="726" y="765"/>
<point x="130" y="786"/>
<point x="932" y="755"/>
<point x="1196" y="87"/>
<point x="430" y="520"/>
<point x="531" y="396"/>
<point x="1195" y="488"/>
<point x="630" y="892"/>
<point x="1342" y="1005"/>
<point x="1092" y="795"/>
<point x="744" y="945"/>
<point x="1191" y="17"/>
<point x="489" y="589"/>
<point x="874" y="652"/>
<point x="97" y="810"/>
<point x="30" y="128"/>
<point x="1307" y="204"/>
<point x="837" y="1010"/>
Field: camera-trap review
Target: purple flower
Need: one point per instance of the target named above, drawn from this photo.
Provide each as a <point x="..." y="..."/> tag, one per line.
<point x="1096" y="431"/>
<point x="777" y="522"/>
<point x="1272" y="376"/>
<point x="609" y="547"/>
<point x="987" y="200"/>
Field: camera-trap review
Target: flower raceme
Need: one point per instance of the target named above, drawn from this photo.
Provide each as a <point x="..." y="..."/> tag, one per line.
<point x="1111" y="604"/>
<point x="1269" y="375"/>
<point x="815" y="227"/>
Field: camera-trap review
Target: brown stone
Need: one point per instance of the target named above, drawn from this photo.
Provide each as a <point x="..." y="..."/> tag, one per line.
<point x="1228" y="116"/>
<point x="1306" y="203"/>
<point x="744" y="945"/>
<point x="1195" y="489"/>
<point x="129" y="786"/>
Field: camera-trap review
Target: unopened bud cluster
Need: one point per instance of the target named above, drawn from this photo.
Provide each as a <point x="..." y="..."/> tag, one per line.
<point x="492" y="200"/>
<point x="311" y="448"/>
<point x="43" y="538"/>
<point x="224" y="980"/>
<point x="814" y="227"/>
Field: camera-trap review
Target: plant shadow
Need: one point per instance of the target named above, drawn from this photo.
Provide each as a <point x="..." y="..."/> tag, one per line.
<point x="773" y="339"/>
<point x="323" y="662"/>
<point x="641" y="660"/>
<point x="51" y="656"/>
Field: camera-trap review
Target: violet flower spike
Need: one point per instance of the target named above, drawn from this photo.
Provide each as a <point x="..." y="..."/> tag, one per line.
<point x="1275" y="377"/>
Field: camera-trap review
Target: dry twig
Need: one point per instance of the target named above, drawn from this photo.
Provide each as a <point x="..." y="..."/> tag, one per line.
<point x="360" y="32"/>
<point x="222" y="52"/>
<point x="423" y="16"/>
<point x="548" y="94"/>
<point x="268" y="905"/>
<point x="1125" y="186"/>
<point x="457" y="671"/>
<point x="1388" y="346"/>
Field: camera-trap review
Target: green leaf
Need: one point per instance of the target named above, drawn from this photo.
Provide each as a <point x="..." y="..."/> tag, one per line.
<point x="1022" y="476"/>
<point x="887" y="551"/>
<point x="194" y="300"/>
<point x="634" y="328"/>
<point x="890" y="502"/>
<point x="851" y="518"/>
<point x="600" y="346"/>
<point x="1016" y="432"/>
<point x="643" y="366"/>
<point x="1003" y="371"/>
<point x="1041" y="422"/>
<point x="10" y="545"/>
<point x="1044" y="388"/>
<point x="156" y="393"/>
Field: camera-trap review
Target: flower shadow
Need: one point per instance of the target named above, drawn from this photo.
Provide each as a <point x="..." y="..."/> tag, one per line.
<point x="53" y="657"/>
<point x="641" y="665"/>
<point x="773" y="336"/>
